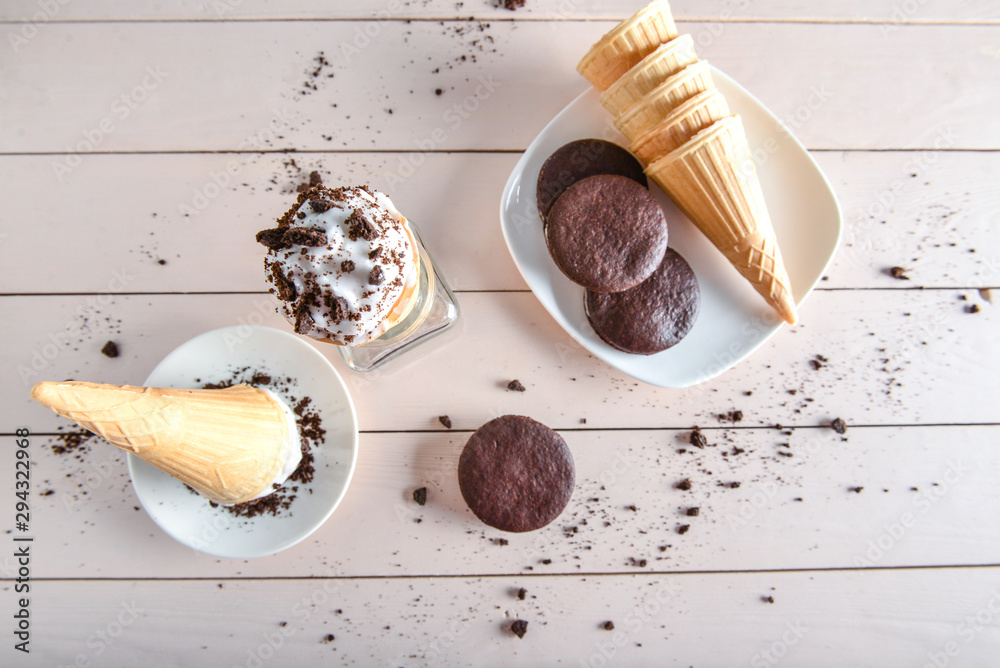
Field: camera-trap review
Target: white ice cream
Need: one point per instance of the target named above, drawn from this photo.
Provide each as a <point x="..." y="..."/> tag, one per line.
<point x="291" y="449"/>
<point x="336" y="294"/>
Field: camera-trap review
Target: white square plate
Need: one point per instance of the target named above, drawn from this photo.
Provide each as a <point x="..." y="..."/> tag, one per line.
<point x="734" y="320"/>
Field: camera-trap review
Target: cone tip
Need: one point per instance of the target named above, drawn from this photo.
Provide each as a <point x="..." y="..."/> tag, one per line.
<point x="44" y="392"/>
<point x="786" y="308"/>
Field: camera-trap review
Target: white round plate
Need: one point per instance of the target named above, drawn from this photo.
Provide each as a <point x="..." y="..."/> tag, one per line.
<point x="213" y="357"/>
<point x="734" y="320"/>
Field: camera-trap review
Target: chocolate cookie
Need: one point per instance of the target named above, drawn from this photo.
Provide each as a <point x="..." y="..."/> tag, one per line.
<point x="652" y="316"/>
<point x="607" y="233"/>
<point x="516" y="474"/>
<point x="576" y="161"/>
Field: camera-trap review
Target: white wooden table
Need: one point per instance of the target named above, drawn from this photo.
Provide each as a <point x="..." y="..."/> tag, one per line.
<point x="118" y="121"/>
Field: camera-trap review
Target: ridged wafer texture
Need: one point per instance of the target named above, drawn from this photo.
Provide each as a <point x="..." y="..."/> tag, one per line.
<point x="664" y="62"/>
<point x="680" y="125"/>
<point x="659" y="102"/>
<point x="228" y="444"/>
<point x="628" y="43"/>
<point x="712" y="179"/>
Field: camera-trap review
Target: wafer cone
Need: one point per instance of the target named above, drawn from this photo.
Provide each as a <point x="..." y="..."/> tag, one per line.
<point x="228" y="444"/>
<point x="663" y="99"/>
<point x="628" y="43"/>
<point x="713" y="180"/>
<point x="667" y="60"/>
<point x="684" y="122"/>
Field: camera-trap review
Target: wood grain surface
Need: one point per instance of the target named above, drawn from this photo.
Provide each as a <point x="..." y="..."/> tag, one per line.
<point x="142" y="144"/>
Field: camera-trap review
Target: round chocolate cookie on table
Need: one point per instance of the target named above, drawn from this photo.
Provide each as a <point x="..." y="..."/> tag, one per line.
<point x="516" y="474"/>
<point x="607" y="233"/>
<point x="654" y="315"/>
<point x="576" y="161"/>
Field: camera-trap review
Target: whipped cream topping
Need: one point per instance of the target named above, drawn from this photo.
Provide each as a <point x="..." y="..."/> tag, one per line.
<point x="339" y="261"/>
<point x="291" y="449"/>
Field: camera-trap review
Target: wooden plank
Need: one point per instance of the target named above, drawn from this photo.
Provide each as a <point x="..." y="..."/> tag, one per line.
<point x="819" y="619"/>
<point x="895" y="357"/>
<point x="88" y="503"/>
<point x="129" y="88"/>
<point x="683" y="10"/>
<point x="931" y="221"/>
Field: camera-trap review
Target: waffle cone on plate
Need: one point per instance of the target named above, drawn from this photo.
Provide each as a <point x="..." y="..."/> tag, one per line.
<point x="684" y="122"/>
<point x="713" y="180"/>
<point x="628" y="43"/>
<point x="663" y="99"/>
<point x="667" y="60"/>
<point x="228" y="444"/>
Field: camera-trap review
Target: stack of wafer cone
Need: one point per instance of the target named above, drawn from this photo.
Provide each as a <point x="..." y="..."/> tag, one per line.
<point x="680" y="127"/>
<point x="227" y="444"/>
<point x="627" y="44"/>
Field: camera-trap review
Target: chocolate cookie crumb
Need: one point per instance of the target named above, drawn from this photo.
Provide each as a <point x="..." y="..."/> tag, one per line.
<point x="683" y="485"/>
<point x="303" y="320"/>
<point x="519" y="628"/>
<point x="420" y="496"/>
<point x="305" y="236"/>
<point x="502" y="542"/>
<point x="972" y="308"/>
<point x="375" y="277"/>
<point x="359" y="227"/>
<point x="110" y="349"/>
<point x="898" y="273"/>
<point x="70" y="442"/>
<point x="320" y="205"/>
<point x="511" y="4"/>
<point x="445" y="420"/>
<point x="838" y="426"/>
<point x="515" y="386"/>
<point x="315" y="179"/>
<point x="683" y="528"/>
<point x="608" y="626"/>
<point x="521" y="593"/>
<point x="328" y="638"/>
<point x="698" y="440"/>
<point x="274" y="238"/>
<point x="347" y="266"/>
<point x="767" y="599"/>
<point x="338" y="309"/>
<point x="856" y="490"/>
<point x="816" y="365"/>
<point x="693" y="512"/>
